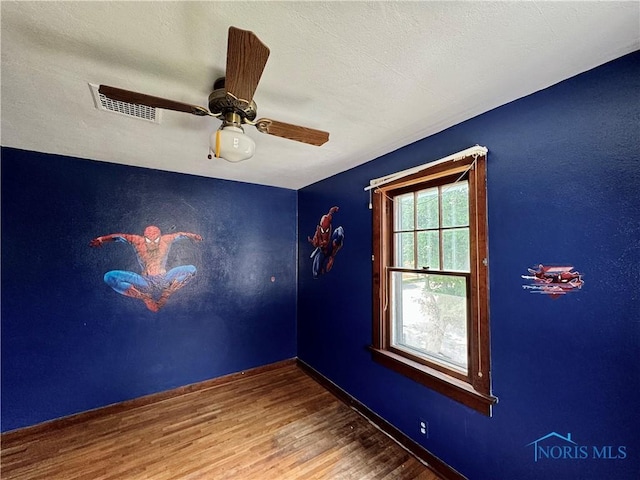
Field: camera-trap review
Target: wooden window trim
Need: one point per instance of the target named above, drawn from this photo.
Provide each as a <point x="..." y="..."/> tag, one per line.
<point x="473" y="389"/>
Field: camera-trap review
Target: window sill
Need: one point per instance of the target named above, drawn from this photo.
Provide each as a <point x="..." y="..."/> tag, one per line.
<point x="453" y="388"/>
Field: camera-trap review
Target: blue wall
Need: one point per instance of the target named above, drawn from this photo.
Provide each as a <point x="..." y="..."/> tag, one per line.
<point x="563" y="188"/>
<point x="70" y="343"/>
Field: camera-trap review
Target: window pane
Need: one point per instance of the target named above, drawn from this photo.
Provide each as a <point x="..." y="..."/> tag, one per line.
<point x="455" y="204"/>
<point x="427" y="208"/>
<point x="429" y="317"/>
<point x="429" y="250"/>
<point x="455" y="247"/>
<point x="404" y="250"/>
<point x="403" y="218"/>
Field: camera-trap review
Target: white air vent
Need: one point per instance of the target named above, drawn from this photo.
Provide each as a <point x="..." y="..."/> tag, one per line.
<point x="143" y="112"/>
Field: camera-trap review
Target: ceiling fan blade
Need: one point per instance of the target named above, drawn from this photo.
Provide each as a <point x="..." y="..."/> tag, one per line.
<point x="246" y="59"/>
<point x="141" y="99"/>
<point x="292" y="132"/>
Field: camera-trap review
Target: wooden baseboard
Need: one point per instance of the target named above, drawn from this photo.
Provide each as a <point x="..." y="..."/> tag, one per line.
<point x="58" y="423"/>
<point x="433" y="462"/>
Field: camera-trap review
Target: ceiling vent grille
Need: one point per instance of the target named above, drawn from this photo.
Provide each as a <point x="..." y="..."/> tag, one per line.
<point x="143" y="112"/>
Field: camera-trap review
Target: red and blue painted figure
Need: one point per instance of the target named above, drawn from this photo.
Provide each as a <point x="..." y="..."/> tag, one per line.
<point x="154" y="285"/>
<point x="553" y="280"/>
<point x="327" y="244"/>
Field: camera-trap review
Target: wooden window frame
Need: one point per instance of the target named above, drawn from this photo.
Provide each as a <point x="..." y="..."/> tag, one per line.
<point x="472" y="389"/>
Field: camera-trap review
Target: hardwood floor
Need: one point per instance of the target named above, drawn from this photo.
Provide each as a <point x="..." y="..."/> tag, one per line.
<point x="278" y="424"/>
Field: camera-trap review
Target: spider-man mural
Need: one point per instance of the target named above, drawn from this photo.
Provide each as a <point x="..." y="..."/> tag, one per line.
<point x="553" y="280"/>
<point x="154" y="285"/>
<point x="327" y="244"/>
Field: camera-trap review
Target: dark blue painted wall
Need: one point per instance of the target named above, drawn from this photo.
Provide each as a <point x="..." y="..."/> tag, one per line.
<point x="563" y="188"/>
<point x="70" y="343"/>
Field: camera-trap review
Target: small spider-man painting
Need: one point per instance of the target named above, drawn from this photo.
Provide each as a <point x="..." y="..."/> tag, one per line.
<point x="553" y="280"/>
<point x="154" y="285"/>
<point x="327" y="243"/>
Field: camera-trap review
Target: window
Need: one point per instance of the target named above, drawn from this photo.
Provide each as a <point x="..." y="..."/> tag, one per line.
<point x="430" y="278"/>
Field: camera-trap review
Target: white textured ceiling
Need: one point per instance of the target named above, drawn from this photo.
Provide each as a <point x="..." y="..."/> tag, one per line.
<point x="376" y="75"/>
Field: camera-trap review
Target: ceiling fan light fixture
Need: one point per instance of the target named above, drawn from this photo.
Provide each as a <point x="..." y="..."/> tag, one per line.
<point x="231" y="144"/>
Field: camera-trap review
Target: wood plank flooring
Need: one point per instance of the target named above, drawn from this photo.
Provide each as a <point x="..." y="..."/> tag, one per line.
<point x="278" y="424"/>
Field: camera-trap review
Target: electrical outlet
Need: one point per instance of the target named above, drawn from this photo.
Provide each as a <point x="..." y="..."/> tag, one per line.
<point x="424" y="428"/>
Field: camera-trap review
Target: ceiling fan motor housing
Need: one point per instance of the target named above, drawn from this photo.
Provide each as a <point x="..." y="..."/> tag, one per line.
<point x="221" y="102"/>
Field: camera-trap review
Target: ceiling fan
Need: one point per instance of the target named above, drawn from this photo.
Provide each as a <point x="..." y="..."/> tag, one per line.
<point x="231" y="101"/>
